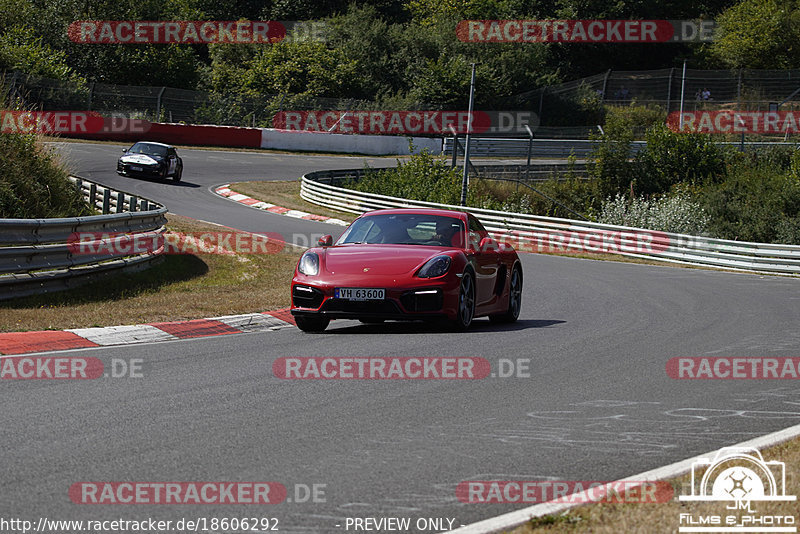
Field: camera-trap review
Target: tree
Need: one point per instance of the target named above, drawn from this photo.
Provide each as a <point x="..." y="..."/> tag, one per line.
<point x="759" y="34"/>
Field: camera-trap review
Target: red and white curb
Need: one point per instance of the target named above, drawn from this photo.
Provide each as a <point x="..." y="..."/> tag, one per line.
<point x="79" y="338"/>
<point x="225" y="191"/>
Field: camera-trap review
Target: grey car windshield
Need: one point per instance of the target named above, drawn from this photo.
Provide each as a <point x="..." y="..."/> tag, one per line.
<point x="405" y="229"/>
<point x="149" y="149"/>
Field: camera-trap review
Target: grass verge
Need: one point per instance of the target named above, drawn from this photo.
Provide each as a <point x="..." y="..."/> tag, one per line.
<point x="181" y="287"/>
<point x="665" y="517"/>
<point x="287" y="195"/>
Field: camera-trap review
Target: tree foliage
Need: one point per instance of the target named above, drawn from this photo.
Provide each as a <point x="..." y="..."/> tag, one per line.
<point x="759" y="34"/>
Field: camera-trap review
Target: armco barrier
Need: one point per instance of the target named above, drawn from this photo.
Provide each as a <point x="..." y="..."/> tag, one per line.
<point x="349" y="143"/>
<point x="184" y="134"/>
<point x="36" y="255"/>
<point x="507" y="147"/>
<point x="548" y="234"/>
<point x="232" y="136"/>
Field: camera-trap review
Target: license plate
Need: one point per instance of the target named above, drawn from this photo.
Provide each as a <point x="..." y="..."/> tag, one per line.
<point x="135" y="168"/>
<point x="359" y="293"/>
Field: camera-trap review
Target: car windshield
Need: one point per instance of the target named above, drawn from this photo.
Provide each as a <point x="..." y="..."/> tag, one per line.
<point x="405" y="229"/>
<point x="149" y="149"/>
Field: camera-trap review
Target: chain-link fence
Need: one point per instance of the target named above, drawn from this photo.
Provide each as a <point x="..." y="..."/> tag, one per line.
<point x="569" y="105"/>
<point x="753" y="90"/>
<point x="166" y="104"/>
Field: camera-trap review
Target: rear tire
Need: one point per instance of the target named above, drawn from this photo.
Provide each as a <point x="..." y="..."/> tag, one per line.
<point x="312" y="324"/>
<point x="178" y="174"/>
<point x="514" y="299"/>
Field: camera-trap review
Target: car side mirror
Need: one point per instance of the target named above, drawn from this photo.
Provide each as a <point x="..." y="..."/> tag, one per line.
<point x="325" y="241"/>
<point x="124" y="150"/>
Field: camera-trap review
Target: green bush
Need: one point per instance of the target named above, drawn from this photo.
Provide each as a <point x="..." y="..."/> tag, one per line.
<point x="421" y="177"/>
<point x="640" y="117"/>
<point x="32" y="183"/>
<point x="609" y="162"/>
<point x="671" y="158"/>
<point x="755" y="204"/>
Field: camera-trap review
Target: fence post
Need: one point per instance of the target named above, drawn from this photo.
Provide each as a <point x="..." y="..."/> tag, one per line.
<point x="605" y="83"/>
<point x="669" y="89"/>
<point x="120" y="202"/>
<point x="739" y="90"/>
<point x="541" y="100"/>
<point x="106" y="201"/>
<point x="158" y="104"/>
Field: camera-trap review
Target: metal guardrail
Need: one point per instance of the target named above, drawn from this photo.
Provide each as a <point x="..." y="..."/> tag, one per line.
<point x="506" y="147"/>
<point x="535" y="173"/>
<point x="40" y="255"/>
<point x="549" y="234"/>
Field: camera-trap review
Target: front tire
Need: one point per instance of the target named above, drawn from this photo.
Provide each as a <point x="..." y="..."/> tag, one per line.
<point x="514" y="299"/>
<point x="466" y="302"/>
<point x="312" y="324"/>
<point x="178" y="174"/>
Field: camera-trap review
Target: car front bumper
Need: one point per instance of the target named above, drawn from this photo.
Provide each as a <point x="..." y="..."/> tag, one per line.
<point x="419" y="300"/>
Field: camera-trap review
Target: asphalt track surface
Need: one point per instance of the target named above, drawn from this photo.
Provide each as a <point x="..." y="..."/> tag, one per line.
<point x="598" y="404"/>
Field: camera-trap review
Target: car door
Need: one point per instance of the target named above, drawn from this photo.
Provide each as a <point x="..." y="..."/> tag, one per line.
<point x="486" y="264"/>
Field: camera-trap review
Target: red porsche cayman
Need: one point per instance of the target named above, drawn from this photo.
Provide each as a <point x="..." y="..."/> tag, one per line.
<point x="408" y="264"/>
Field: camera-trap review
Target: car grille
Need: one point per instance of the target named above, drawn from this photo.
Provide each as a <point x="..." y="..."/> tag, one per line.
<point x="361" y="306"/>
<point x="303" y="298"/>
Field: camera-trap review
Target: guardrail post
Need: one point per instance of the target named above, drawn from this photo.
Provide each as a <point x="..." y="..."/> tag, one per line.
<point x="93" y="196"/>
<point x="133" y="202"/>
<point x="106" y="201"/>
<point x="120" y="202"/>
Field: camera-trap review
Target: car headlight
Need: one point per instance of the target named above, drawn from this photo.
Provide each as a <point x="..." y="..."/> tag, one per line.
<point x="435" y="267"/>
<point x="309" y="264"/>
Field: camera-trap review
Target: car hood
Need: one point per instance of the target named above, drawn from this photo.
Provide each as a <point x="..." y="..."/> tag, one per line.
<point x="140" y="159"/>
<point x="379" y="259"/>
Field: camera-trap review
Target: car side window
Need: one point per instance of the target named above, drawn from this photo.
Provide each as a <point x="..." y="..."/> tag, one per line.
<point x="476" y="231"/>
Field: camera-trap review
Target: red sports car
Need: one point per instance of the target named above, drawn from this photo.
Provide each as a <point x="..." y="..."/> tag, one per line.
<point x="408" y="264"/>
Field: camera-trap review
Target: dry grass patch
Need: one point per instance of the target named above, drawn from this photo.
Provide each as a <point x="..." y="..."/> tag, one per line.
<point x="181" y="287"/>
<point x="659" y="518"/>
<point x="287" y="195"/>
